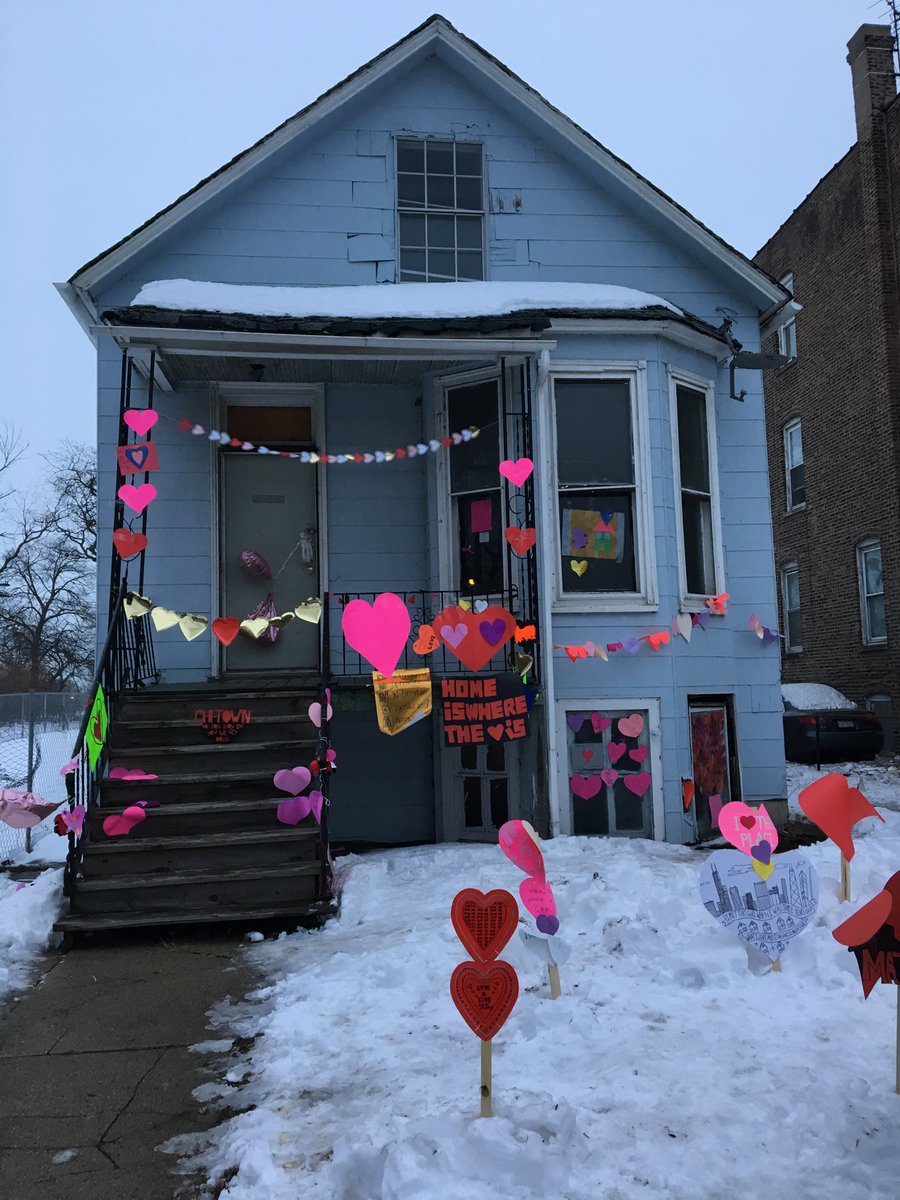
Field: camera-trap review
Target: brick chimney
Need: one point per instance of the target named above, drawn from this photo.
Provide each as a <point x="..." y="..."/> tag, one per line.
<point x="871" y="59"/>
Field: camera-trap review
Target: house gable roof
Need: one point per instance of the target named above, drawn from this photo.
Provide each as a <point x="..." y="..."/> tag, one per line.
<point x="435" y="35"/>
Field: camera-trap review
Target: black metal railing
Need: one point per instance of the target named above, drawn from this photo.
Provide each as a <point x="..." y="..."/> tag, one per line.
<point x="127" y="661"/>
<point x="339" y="659"/>
<point x="322" y="748"/>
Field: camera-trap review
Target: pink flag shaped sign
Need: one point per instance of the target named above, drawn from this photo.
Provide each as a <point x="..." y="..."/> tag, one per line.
<point x="745" y="827"/>
<point x="518" y="841"/>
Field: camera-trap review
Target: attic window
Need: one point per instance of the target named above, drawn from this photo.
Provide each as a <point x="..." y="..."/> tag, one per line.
<point x="440" y="210"/>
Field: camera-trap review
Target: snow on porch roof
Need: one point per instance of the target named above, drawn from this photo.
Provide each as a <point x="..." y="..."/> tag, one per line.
<point x="414" y="301"/>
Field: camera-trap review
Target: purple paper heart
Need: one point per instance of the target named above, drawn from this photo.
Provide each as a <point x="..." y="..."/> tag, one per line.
<point x="702" y="619"/>
<point x="547" y="923"/>
<point x="493" y="631"/>
<point x="633" y="645"/>
<point x="292" y="811"/>
<point x="316" y="800"/>
<point x="575" y="720"/>
<point x="762" y="852"/>
<point x="453" y="634"/>
<point x="579" y="539"/>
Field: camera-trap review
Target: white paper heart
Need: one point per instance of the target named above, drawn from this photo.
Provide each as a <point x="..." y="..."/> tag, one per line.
<point x="213" y="435"/>
<point x="192" y="626"/>
<point x="246" y="445"/>
<point x="310" y="610"/>
<point x="683" y="625"/>
<point x="163" y="618"/>
<point x="197" y="430"/>
<point x="765" y="913"/>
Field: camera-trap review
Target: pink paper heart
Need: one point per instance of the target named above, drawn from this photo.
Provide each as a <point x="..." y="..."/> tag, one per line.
<point x="600" y="723"/>
<point x="516" y="472"/>
<point x="454" y="634"/>
<point x="537" y="897"/>
<point x="73" y="819"/>
<point x="292" y="780"/>
<point x="638" y="783"/>
<point x="609" y="775"/>
<point x="586" y="786"/>
<point x="378" y="631"/>
<point x="292" y="811"/>
<point x="140" y="419"/>
<point x="315" y="713"/>
<point x="119" y="824"/>
<point x="129" y="773"/>
<point x="631" y="726"/>
<point x="615" y="750"/>
<point x="137" y="498"/>
<point x="521" y="849"/>
<point x="71" y="765"/>
<point x="639" y="753"/>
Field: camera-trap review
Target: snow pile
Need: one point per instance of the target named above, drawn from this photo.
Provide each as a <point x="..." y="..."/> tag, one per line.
<point x="413" y="300"/>
<point x="27" y="914"/>
<point x="674" y="1065"/>
<point x="805" y="696"/>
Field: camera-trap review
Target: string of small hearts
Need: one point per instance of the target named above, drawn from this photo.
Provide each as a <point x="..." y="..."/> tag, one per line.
<point x="683" y="624"/>
<point x="225" y="629"/>
<point x="413" y="450"/>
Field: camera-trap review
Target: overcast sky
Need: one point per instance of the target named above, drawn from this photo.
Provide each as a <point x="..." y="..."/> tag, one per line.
<point x="109" y="109"/>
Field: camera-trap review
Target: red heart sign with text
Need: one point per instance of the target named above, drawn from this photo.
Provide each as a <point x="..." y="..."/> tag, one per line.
<point x="474" y="638"/>
<point x="485" y="996"/>
<point x="484" y="923"/>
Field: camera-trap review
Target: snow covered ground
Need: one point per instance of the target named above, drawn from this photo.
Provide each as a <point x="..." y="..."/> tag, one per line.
<point x="53" y="747"/>
<point x="672" y="1066"/>
<point x="27" y="913"/>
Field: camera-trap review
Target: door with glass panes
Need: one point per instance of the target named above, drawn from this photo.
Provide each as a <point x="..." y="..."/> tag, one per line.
<point x="481" y="790"/>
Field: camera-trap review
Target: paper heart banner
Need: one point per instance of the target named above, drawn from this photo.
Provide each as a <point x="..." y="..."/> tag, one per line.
<point x="225" y="629"/>
<point x="474" y="638"/>
<point x="767" y="914"/>
<point x="378" y="631"/>
<point x="295" y="809"/>
<point x="682" y="624"/>
<point x="136" y="605"/>
<point x="833" y="805"/>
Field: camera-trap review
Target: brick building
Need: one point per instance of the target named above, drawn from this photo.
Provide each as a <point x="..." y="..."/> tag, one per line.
<point x="833" y="413"/>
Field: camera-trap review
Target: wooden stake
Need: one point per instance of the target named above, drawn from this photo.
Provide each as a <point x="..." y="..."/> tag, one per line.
<point x="486" y="1109"/>
<point x="555" y="989"/>
<point x="776" y="964"/>
<point x="897" y="1084"/>
<point x="845" y="880"/>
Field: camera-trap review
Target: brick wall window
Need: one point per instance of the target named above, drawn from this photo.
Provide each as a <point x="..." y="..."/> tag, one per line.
<point x="790" y="596"/>
<point x="794" y="477"/>
<point x="440" y="210"/>
<point x="787" y="334"/>
<point x="871" y="593"/>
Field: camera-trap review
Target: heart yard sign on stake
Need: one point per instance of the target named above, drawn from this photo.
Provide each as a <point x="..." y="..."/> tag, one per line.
<point x="485" y="995"/>
<point x="484" y="923"/>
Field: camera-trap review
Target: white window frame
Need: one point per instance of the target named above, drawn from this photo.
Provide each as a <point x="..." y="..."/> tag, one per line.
<point x="690" y="601"/>
<point x="646" y="598"/>
<point x="789" y="569"/>
<point x="861" y="549"/>
<point x="789" y="427"/>
<point x="787" y="333"/>
<point x="649" y="705"/>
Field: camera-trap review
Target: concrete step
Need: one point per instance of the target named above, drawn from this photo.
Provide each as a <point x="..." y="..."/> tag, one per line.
<point x="214" y="816"/>
<point x="199" y="889"/>
<point x="282" y="845"/>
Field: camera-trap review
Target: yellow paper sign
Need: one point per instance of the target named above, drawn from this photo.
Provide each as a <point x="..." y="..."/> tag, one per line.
<point x="402" y="700"/>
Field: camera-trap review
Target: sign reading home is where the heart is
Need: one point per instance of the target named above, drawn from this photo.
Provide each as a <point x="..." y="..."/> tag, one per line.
<point x="482" y="710"/>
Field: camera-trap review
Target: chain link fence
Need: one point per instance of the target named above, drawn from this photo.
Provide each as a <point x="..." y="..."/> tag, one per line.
<point x="37" y="733"/>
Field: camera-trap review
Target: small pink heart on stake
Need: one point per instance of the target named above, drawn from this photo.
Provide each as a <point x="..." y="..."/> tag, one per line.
<point x="292" y="780"/>
<point x="119" y="824"/>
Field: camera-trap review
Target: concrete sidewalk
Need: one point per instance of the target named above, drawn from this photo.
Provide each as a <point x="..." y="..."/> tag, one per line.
<point x="95" y="1071"/>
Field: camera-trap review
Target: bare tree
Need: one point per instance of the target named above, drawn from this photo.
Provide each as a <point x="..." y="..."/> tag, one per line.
<point x="21" y="525"/>
<point x="74" y="512"/>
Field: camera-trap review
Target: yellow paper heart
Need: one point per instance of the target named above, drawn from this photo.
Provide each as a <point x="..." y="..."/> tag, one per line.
<point x="578" y="567"/>
<point x="136" y="605"/>
<point x="280" y="621"/>
<point x="466" y="604"/>
<point x="192" y="626"/>
<point x="163" y="618"/>
<point x="763" y="870"/>
<point x="310" y="610"/>
<point x="255" y="626"/>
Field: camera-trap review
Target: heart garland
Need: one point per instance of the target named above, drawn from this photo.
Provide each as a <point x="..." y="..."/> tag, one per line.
<point x="224" y="629"/>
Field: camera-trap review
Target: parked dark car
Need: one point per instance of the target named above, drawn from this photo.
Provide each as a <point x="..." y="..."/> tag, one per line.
<point x="822" y="725"/>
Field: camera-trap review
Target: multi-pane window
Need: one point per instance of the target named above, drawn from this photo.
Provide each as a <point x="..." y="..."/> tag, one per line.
<point x="871" y="592"/>
<point x="475" y="488"/>
<point x="790" y="595"/>
<point x="787" y="334"/>
<point x="696" y="491"/>
<point x="794" y="478"/>
<point x="440" y="203"/>
<point x="595" y="460"/>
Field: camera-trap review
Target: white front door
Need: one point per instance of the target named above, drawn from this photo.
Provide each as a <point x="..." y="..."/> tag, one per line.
<point x="269" y="506"/>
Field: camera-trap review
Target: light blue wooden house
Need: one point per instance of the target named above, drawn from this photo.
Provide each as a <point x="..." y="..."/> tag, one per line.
<point x="428" y="247"/>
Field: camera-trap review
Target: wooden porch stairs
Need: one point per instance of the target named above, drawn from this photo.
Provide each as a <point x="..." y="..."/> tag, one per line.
<point x="211" y="848"/>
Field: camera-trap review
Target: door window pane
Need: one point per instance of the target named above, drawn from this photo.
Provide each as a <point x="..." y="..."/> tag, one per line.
<point x="595" y="743"/>
<point x="480" y="543"/>
<point x="473" y="465"/>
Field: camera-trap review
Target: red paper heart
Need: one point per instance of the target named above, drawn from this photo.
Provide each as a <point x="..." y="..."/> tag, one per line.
<point x="484" y="996"/>
<point x="658" y="639"/>
<point x="521" y="540"/>
<point x="484" y="923"/>
<point x="226" y="629"/>
<point x="587" y="755"/>
<point x="833" y="805"/>
<point x="575" y="652"/>
<point x="127" y="543"/>
<point x="426" y="641"/>
<point x="496" y="731"/>
<point x="748" y="822"/>
<point x="463" y="633"/>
